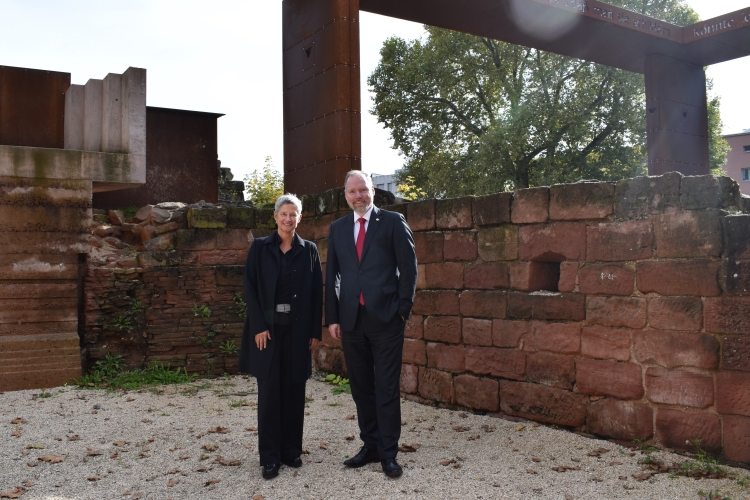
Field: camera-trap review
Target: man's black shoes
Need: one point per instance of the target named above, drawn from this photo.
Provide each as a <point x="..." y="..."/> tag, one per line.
<point x="364" y="457"/>
<point x="391" y="467"/>
<point x="295" y="462"/>
<point x="270" y="471"/>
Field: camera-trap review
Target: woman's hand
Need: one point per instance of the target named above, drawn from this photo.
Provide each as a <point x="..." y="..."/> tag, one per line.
<point x="313" y="343"/>
<point x="262" y="338"/>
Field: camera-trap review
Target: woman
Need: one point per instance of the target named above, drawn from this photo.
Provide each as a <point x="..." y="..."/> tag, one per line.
<point x="283" y="291"/>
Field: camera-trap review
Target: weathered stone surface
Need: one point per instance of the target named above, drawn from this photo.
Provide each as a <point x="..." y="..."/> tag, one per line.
<point x="678" y="429"/>
<point x="530" y="205"/>
<point x="542" y="404"/>
<point x="727" y="315"/>
<point x="508" y="333"/>
<point x="737" y="236"/>
<point x="206" y="218"/>
<point x="735" y="353"/>
<point x="505" y="363"/>
<point x="679" y="387"/>
<point x="160" y="243"/>
<point x="483" y="304"/>
<point x="553" y="242"/>
<point x="477" y="393"/>
<point x="702" y="192"/>
<point x="606" y="343"/>
<point x="582" y="200"/>
<point x="421" y="215"/>
<point x="672" y="349"/>
<point x="606" y="378"/>
<point x="688" y="234"/>
<point x="492" y="209"/>
<point x="435" y="385"/>
<point x="736" y="276"/>
<point x="243" y="218"/>
<point x="629" y="312"/>
<point x="533" y="276"/>
<point x="218" y="257"/>
<point x="626" y="420"/>
<point x="487" y="276"/>
<point x="167" y="228"/>
<point x="454" y="213"/>
<point x="546" y="306"/>
<point x="450" y="358"/>
<point x="414" y="328"/>
<point x="116" y="217"/>
<point x="733" y="393"/>
<point x="230" y="276"/>
<point x="409" y="380"/>
<point x="564" y="338"/>
<point x="554" y="370"/>
<point x="568" y="277"/>
<point x="675" y="313"/>
<point x="443" y="329"/>
<point x="460" y="245"/>
<point x="144" y="213"/>
<point x="428" y="247"/>
<point x="329" y="201"/>
<point x="427" y="302"/>
<point x="160" y="215"/>
<point x="38" y="267"/>
<point x="414" y="352"/>
<point x="645" y="195"/>
<point x="498" y="243"/>
<point x="444" y="275"/>
<point x="620" y="241"/>
<point x="607" y="279"/>
<point x="322" y="226"/>
<point x="195" y="239"/>
<point x="685" y="277"/>
<point x="477" y="331"/>
<point x="737" y="438"/>
<point x="329" y="360"/>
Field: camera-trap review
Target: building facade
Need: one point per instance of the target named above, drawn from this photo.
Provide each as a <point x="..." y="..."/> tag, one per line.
<point x="738" y="159"/>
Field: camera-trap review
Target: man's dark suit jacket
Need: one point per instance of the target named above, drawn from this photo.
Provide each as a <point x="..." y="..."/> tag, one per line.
<point x="387" y="274"/>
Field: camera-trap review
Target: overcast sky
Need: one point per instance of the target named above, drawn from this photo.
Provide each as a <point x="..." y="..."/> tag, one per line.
<point x="225" y="56"/>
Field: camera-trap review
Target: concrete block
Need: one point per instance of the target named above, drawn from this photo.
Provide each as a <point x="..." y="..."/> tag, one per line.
<point x="73" y="135"/>
<point x="92" y="115"/>
<point x="112" y="114"/>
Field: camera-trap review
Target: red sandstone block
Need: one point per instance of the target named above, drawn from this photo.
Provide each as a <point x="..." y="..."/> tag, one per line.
<point x="233" y="239"/>
<point x="626" y="420"/>
<point x="727" y="315"/>
<point x="306" y="227"/>
<point x="688" y="234"/>
<point x="223" y="257"/>
<point x="582" y="200"/>
<point x="546" y="306"/>
<point x="508" y="333"/>
<point x="327" y="359"/>
<point x="737" y="438"/>
<point x="435" y="385"/>
<point x="477" y="393"/>
<point x="450" y="358"/>
<point x="505" y="363"/>
<point x="492" y="209"/>
<point x="733" y="393"/>
<point x="679" y="429"/>
<point x="322" y="225"/>
<point x="487" y="276"/>
<point x="737" y="234"/>
<point x="647" y="194"/>
<point x="414" y="352"/>
<point x="685" y="277"/>
<point x="678" y="387"/>
<point x="443" y="329"/>
<point x="621" y="241"/>
<point x="421" y="279"/>
<point x="568" y="276"/>
<point x="444" y="275"/>
<point x="671" y="349"/>
<point x="460" y="245"/>
<point x="428" y="247"/>
<point x="427" y="302"/>
<point x="606" y="343"/>
<point x="533" y="276"/>
<point x="454" y="213"/>
<point x="553" y="242"/>
<point x="477" y="331"/>
<point x="413" y="328"/>
<point x="736" y="275"/>
<point x="542" y="404"/>
<point x="195" y="239"/>
<point x="498" y="243"/>
<point x="562" y="338"/>
<point x="483" y="304"/>
<point x="675" y="313"/>
<point x="530" y="205"/>
<point x="409" y="380"/>
<point x="421" y="215"/>
<point x="629" y="312"/>
<point x="735" y="353"/>
<point x="608" y="279"/>
<point x="606" y="378"/>
<point x="554" y="370"/>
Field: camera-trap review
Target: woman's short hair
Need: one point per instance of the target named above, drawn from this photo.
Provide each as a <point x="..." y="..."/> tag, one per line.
<point x="288" y="198"/>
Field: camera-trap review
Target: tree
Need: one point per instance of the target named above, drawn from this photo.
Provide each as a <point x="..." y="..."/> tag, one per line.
<point x="473" y="115"/>
<point x="263" y="188"/>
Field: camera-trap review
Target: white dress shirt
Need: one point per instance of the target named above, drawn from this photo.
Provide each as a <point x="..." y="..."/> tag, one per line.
<point x="356" y="222"/>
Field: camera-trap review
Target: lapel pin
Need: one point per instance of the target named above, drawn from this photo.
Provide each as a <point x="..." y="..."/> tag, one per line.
<point x="377" y="220"/>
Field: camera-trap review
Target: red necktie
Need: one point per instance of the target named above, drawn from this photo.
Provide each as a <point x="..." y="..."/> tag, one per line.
<point x="360" y="245"/>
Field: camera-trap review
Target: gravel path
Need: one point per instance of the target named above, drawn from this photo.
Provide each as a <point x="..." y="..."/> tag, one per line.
<point x="198" y="440"/>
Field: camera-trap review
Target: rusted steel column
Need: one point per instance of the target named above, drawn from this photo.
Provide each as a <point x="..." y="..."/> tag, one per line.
<point x="322" y="138"/>
<point x="676" y="117"/>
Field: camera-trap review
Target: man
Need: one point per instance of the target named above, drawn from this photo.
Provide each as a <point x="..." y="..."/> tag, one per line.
<point x="372" y="264"/>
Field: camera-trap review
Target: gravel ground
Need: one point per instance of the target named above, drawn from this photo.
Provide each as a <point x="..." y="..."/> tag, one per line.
<point x="198" y="440"/>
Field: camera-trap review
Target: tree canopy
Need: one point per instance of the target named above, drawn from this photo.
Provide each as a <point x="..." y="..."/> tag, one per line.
<point x="264" y="187"/>
<point x="472" y="115"/>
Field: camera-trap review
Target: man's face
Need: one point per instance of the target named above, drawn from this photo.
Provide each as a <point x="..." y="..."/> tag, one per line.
<point x="359" y="194"/>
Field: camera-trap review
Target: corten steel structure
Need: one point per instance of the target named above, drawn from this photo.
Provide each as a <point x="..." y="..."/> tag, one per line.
<point x="322" y="137"/>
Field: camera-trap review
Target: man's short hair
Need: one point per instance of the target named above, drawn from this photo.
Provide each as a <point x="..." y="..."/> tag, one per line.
<point x="358" y="173"/>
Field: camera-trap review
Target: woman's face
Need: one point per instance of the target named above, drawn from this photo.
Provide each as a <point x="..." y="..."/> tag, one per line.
<point x="287" y="218"/>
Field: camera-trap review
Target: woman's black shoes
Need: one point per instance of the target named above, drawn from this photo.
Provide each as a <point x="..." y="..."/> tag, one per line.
<point x="295" y="462"/>
<point x="270" y="471"/>
<point x="364" y="457"/>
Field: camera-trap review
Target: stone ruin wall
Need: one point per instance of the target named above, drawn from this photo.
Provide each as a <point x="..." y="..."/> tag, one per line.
<point x="619" y="309"/>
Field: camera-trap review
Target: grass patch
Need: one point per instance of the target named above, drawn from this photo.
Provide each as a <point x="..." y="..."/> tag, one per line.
<point x="702" y="466"/>
<point x="237" y="403"/>
<point x="110" y="374"/>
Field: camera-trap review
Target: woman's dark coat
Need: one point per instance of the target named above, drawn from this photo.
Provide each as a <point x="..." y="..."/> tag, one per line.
<point x="261" y="274"/>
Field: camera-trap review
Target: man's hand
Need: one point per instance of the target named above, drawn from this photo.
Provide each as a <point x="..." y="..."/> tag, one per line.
<point x="313" y="343"/>
<point x="262" y="338"/>
<point x="335" y="331"/>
